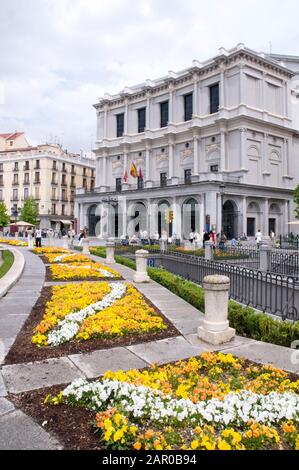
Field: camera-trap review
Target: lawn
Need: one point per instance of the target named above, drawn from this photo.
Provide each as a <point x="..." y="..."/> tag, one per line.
<point x="8" y="259"/>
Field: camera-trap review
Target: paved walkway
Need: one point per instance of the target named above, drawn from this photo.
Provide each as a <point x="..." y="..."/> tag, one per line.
<point x="18" y="431"/>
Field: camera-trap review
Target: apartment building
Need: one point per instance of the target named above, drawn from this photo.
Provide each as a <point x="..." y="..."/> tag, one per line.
<point x="48" y="173"/>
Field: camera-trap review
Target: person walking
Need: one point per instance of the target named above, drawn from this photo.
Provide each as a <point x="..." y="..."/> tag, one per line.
<point x="258" y="237"/>
<point x="38" y="237"/>
<point x="29" y="238"/>
<point x="206" y="237"/>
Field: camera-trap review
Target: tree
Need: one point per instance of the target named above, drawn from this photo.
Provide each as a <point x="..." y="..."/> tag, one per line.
<point x="29" y="212"/>
<point x="4" y="217"/>
<point x="296" y="200"/>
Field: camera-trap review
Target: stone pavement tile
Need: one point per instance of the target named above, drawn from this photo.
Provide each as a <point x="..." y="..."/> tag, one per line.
<point x="5" y="406"/>
<point x="98" y="362"/>
<point x="3" y="391"/>
<point x="33" y="375"/>
<point x="10" y="325"/>
<point x="19" y="432"/>
<point x="187" y="327"/>
<point x="165" y="350"/>
<point x="179" y="314"/>
<point x="5" y="345"/>
<point x="236" y="341"/>
<point x="266" y="353"/>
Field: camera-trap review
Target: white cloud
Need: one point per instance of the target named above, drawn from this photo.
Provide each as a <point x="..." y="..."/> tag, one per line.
<point x="59" y="56"/>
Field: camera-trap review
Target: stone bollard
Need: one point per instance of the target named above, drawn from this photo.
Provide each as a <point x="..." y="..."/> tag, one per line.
<point x="85" y="244"/>
<point x="215" y="329"/>
<point x="265" y="258"/>
<point x="110" y="247"/>
<point x="64" y="242"/>
<point x="209" y="252"/>
<point x="141" y="265"/>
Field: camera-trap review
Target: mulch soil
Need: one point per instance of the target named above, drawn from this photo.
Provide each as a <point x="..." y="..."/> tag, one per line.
<point x="24" y="351"/>
<point x="72" y="426"/>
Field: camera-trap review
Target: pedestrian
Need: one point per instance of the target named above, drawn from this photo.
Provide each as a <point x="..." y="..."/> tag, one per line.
<point x="191" y="237"/>
<point x="29" y="237"/>
<point x="38" y="237"/>
<point x="206" y="237"/>
<point x="258" y="238"/>
<point x="272" y="236"/>
<point x="80" y="238"/>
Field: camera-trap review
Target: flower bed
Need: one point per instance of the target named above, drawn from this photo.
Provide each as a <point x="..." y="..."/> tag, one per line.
<point x="49" y="249"/>
<point x="80" y="271"/>
<point x="13" y="242"/>
<point x="212" y="402"/>
<point x="66" y="258"/>
<point x="95" y="310"/>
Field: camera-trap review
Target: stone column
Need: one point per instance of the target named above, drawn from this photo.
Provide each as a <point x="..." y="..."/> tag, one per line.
<point x="244" y="215"/>
<point x="110" y="246"/>
<point x="266" y="218"/>
<point x="170" y="117"/>
<point x="243" y="148"/>
<point x="65" y="242"/>
<point x="221" y="90"/>
<point x="195" y="155"/>
<point x="105" y="122"/>
<point x="223" y="151"/>
<point x="141" y="265"/>
<point x="215" y="328"/>
<point x="265" y="258"/>
<point x="148" y="181"/>
<point x="209" y="253"/>
<point x="195" y="95"/>
<point x="170" y="159"/>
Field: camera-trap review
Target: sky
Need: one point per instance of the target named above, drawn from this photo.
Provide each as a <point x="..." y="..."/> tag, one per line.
<point x="59" y="56"/>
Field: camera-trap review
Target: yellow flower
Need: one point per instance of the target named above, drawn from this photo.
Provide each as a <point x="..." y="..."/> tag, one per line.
<point x="223" y="445"/>
<point x="194" y="444"/>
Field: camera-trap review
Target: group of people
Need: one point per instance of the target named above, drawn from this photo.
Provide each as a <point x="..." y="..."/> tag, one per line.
<point x="34" y="234"/>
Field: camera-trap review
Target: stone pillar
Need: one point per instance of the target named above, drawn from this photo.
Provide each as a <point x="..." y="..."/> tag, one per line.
<point x="65" y="242"/>
<point x="141" y="265"/>
<point x="195" y="155"/>
<point x="148" y="181"/>
<point x="215" y="329"/>
<point x="223" y="151"/>
<point x="170" y="159"/>
<point x="265" y="257"/>
<point x="81" y="218"/>
<point x="195" y="95"/>
<point x="244" y="215"/>
<point x="243" y="148"/>
<point x="266" y="217"/>
<point x="209" y="253"/>
<point x="110" y="245"/>
<point x="85" y="244"/>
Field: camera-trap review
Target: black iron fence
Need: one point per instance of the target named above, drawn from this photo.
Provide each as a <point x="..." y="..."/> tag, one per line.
<point x="271" y="293"/>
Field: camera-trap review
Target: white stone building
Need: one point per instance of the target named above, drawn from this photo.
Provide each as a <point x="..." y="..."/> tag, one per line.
<point x="217" y="143"/>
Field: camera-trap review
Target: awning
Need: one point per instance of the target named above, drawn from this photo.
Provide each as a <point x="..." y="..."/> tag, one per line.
<point x="66" y="222"/>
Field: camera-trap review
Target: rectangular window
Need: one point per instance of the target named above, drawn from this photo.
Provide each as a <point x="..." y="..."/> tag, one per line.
<point x="118" y="184"/>
<point x="139" y="182"/>
<point x="164" y="114"/>
<point x="63" y="179"/>
<point x="36" y="177"/>
<point x="84" y="183"/>
<point x="63" y="194"/>
<point x="163" y="179"/>
<point x="84" y="171"/>
<point x="26" y="166"/>
<point x="250" y="226"/>
<point x="15" y="194"/>
<point x="214" y="98"/>
<point x="120" y="119"/>
<point x="1" y="166"/>
<point x="53" y="209"/>
<point x="141" y="119"/>
<point x="26" y="193"/>
<point x="16" y="178"/>
<point x="16" y="166"/>
<point x="72" y="181"/>
<point x="54" y="193"/>
<point x="37" y="164"/>
<point x="63" y="209"/>
<point x="54" y="165"/>
<point x="73" y="168"/>
<point x="91" y="185"/>
<point x="187" y="176"/>
<point x="72" y="195"/>
<point x="26" y="178"/>
<point x="188" y="107"/>
<point x="214" y="168"/>
<point x="53" y="178"/>
<point x="63" y="167"/>
<point x="37" y="193"/>
<point x="1" y="180"/>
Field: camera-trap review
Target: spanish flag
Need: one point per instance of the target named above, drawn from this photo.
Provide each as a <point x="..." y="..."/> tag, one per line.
<point x="133" y="170"/>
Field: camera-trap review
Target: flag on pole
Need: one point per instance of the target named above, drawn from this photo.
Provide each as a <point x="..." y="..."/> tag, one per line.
<point x="133" y="170"/>
<point x="140" y="174"/>
<point x="125" y="178"/>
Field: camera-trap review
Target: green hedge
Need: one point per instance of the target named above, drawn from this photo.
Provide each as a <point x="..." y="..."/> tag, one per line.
<point x="247" y="321"/>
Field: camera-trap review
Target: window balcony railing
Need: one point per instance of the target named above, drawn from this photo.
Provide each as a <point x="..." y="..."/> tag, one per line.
<point x="63" y="183"/>
<point x="25" y="182"/>
<point x="37" y="181"/>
